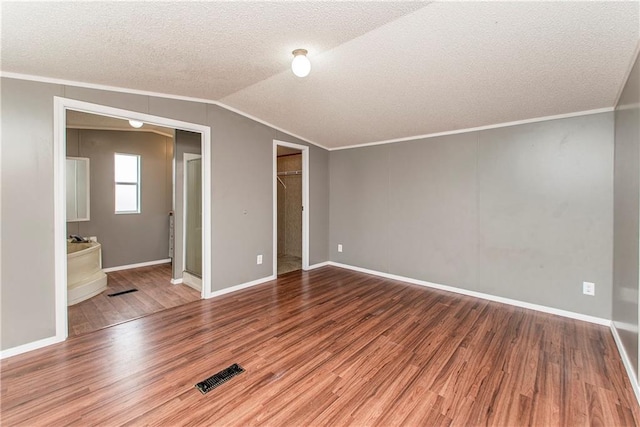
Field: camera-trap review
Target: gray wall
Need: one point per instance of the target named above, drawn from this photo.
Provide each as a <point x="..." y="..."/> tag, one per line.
<point x="522" y="212"/>
<point x="26" y="230"/>
<point x="185" y="142"/>
<point x="126" y="238"/>
<point x="27" y="301"/>
<point x="626" y="215"/>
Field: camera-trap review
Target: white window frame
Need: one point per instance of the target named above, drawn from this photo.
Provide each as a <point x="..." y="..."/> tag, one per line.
<point x="137" y="184"/>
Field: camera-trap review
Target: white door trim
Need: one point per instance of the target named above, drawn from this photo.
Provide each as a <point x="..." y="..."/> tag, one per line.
<point x="305" y="203"/>
<point x="60" y="105"/>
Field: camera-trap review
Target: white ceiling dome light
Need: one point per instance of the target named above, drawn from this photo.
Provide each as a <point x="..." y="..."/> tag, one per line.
<point x="136" y="124"/>
<point x="301" y="66"/>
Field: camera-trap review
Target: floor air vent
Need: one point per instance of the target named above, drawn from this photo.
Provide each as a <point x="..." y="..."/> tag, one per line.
<point x="219" y="378"/>
<point x="128" y="291"/>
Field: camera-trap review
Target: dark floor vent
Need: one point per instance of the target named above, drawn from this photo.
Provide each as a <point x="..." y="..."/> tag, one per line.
<point x="122" y="292"/>
<point x="219" y="378"/>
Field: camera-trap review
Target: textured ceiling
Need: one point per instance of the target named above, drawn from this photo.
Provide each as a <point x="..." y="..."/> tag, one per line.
<point x="380" y="70"/>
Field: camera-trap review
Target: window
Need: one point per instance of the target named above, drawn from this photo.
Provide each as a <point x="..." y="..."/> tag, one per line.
<point x="127" y="180"/>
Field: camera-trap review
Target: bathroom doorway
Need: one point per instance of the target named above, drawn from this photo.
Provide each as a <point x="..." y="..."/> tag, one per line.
<point x="152" y="278"/>
<point x="123" y="270"/>
<point x="290" y="207"/>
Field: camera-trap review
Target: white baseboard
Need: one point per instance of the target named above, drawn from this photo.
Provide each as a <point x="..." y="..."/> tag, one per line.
<point x="509" y="301"/>
<point x="321" y="264"/>
<point x="626" y="362"/>
<point x="30" y="346"/>
<point x="176" y="281"/>
<point x="141" y="264"/>
<point x="192" y="281"/>
<point x="241" y="286"/>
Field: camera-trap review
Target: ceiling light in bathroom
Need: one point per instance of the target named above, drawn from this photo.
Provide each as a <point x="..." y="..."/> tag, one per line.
<point x="301" y="66"/>
<point x="136" y="124"/>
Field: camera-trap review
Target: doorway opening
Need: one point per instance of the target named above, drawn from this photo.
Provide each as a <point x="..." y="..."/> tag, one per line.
<point x="119" y="199"/>
<point x="291" y="207"/>
<point x="130" y="216"/>
<point x="192" y="223"/>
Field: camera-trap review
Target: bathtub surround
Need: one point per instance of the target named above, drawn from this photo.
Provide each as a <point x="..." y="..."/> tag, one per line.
<point x="126" y="238"/>
<point x="85" y="277"/>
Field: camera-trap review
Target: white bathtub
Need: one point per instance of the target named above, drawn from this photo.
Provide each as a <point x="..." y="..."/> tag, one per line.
<point x="85" y="277"/>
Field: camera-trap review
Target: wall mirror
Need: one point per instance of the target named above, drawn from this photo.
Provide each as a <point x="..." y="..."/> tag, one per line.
<point x="77" y="189"/>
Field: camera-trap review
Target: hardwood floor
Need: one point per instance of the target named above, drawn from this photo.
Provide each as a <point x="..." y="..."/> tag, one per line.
<point x="155" y="293"/>
<point x="328" y="347"/>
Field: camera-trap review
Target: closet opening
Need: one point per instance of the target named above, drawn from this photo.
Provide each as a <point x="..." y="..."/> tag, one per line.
<point x="290" y="207"/>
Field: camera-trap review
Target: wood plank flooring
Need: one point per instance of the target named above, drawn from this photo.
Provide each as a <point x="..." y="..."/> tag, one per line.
<point x="155" y="293"/>
<point x="328" y="347"/>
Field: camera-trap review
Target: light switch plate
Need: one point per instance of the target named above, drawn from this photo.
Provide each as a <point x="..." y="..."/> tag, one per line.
<point x="259" y="260"/>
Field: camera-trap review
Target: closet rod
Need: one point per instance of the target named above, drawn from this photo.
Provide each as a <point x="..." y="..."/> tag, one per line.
<point x="289" y="173"/>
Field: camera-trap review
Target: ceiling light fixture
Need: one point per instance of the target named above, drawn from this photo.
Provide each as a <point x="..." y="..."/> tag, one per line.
<point x="136" y="124"/>
<point x="301" y="66"/>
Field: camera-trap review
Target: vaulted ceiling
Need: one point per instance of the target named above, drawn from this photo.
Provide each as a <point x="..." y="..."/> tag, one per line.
<point x="380" y="70"/>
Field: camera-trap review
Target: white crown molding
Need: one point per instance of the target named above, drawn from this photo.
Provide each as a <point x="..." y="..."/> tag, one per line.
<point x="632" y="106"/>
<point x="50" y="80"/>
<point x="259" y="120"/>
<point x="64" y="82"/>
<point x="634" y="58"/>
<point x="479" y="128"/>
<point x="508" y="301"/>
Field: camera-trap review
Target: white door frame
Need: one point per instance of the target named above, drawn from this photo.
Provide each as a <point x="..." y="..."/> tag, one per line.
<point x="305" y="203"/>
<point x="185" y="159"/>
<point x="60" y="106"/>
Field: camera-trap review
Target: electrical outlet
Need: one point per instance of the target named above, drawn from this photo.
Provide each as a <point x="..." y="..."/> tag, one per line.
<point x="588" y="288"/>
<point x="259" y="260"/>
<point x="339" y="248"/>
